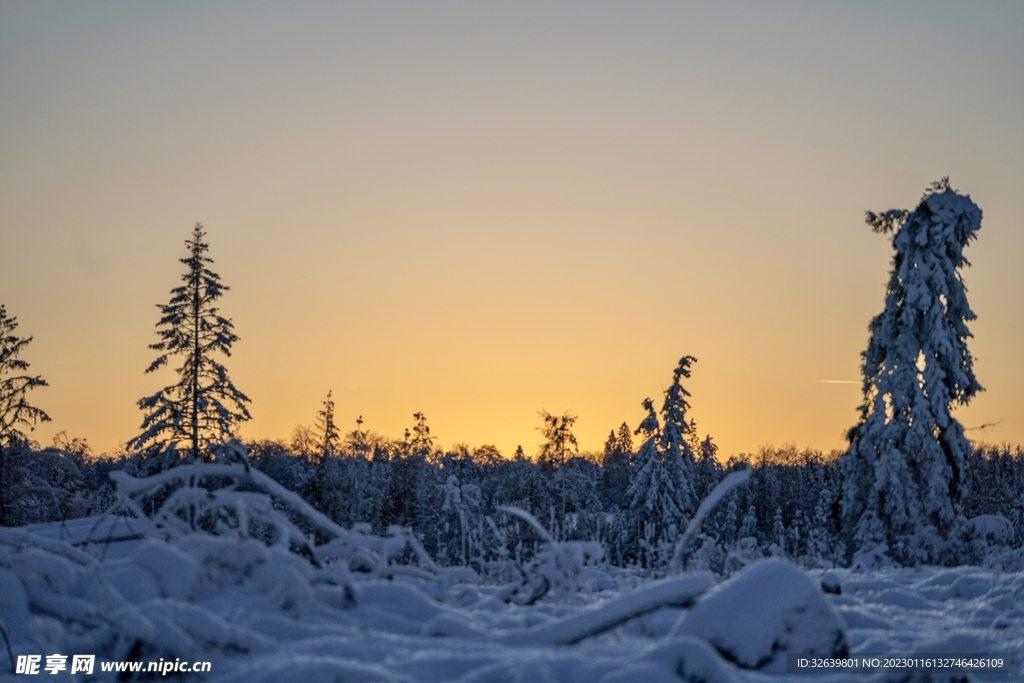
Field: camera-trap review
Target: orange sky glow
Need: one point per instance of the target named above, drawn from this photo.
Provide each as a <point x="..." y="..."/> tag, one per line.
<point x="479" y="211"/>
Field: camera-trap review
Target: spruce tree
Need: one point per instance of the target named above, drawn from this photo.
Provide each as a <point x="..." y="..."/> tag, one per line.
<point x="422" y="443"/>
<point x="625" y="439"/>
<point x="202" y="409"/>
<point x="615" y="467"/>
<point x="15" y="410"/>
<point x="328" y="431"/>
<point x="18" y="491"/>
<point x="676" y="434"/>
<point x="559" y="442"/>
<point x="904" y="471"/>
<point x="652" y="516"/>
<point x="357" y="440"/>
<point x="748" y="527"/>
<point x="611" y="444"/>
<point x="559" y="439"/>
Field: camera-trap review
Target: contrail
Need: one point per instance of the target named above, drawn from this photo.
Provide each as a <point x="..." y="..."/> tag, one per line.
<point x="983" y="426"/>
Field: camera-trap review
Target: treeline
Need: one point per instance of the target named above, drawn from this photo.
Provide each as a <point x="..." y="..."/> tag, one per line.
<point x="450" y="499"/>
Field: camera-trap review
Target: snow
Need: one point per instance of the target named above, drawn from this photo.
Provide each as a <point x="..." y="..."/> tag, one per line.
<point x="768" y="610"/>
<point x="359" y="607"/>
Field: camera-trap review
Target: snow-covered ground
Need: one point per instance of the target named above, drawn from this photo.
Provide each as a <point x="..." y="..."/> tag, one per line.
<point x="365" y="608"/>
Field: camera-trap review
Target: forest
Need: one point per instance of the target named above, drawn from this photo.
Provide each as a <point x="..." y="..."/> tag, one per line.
<point x="788" y="508"/>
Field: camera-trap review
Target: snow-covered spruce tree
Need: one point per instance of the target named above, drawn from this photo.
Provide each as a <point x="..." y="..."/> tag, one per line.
<point x="674" y="443"/>
<point x="647" y="529"/>
<point x="201" y="409"/>
<point x="905" y="467"/>
<point x="748" y="527"/>
<point x="15" y="410"/>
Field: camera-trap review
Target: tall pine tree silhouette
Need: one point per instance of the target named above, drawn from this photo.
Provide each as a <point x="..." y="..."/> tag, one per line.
<point x="327" y="430"/>
<point x="202" y="409"/>
<point x="904" y="472"/>
<point x="15" y="410"/>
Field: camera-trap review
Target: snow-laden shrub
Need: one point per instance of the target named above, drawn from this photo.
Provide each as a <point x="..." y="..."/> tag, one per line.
<point x="988" y="540"/>
<point x="242" y="503"/>
<point x="561" y="566"/>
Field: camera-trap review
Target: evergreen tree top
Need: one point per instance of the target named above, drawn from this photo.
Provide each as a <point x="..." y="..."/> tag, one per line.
<point x="673" y="412"/>
<point x="924" y="322"/>
<point x="15" y="409"/>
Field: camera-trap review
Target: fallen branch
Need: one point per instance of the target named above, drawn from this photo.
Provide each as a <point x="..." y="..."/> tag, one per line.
<point x="677" y="592"/>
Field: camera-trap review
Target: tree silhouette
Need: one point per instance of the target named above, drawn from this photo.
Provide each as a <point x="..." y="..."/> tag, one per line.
<point x="203" y="407"/>
<point x="15" y="410"/>
<point x="557" y="430"/>
<point x="328" y="431"/>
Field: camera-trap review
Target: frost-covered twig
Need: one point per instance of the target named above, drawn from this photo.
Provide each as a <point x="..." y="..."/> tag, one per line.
<point x="706" y="506"/>
<point x="529" y="519"/>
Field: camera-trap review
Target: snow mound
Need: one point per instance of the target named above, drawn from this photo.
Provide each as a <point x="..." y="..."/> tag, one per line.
<point x="990" y="528"/>
<point x="770" y="609"/>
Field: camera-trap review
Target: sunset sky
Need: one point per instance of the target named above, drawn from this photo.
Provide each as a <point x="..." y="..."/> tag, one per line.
<point x="482" y="210"/>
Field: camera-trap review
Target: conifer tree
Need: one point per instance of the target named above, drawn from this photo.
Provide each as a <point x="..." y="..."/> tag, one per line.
<point x="676" y="434"/>
<point x="779" y="532"/>
<point x="730" y="523"/>
<point x="615" y="466"/>
<point x="625" y="439"/>
<point x="676" y="429"/>
<point x="328" y="431"/>
<point x="203" y="408"/>
<point x="559" y="442"/>
<point x="17" y="490"/>
<point x="611" y="444"/>
<point x="15" y="410"/>
<point x="748" y="528"/>
<point x="904" y="471"/>
<point x="357" y="440"/>
<point x="559" y="439"/>
<point x="422" y="442"/>
<point x="652" y="516"/>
